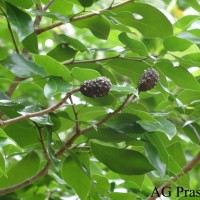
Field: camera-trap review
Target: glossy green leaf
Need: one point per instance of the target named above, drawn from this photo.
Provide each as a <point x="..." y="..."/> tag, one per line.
<point x="62" y="52"/>
<point x="102" y="185"/>
<point x="2" y="165"/>
<point x="154" y="159"/>
<point x="3" y="134"/>
<point x="162" y="125"/>
<point x="135" y="46"/>
<point x="41" y="119"/>
<point x="21" y="3"/>
<point x="84" y="74"/>
<point x="139" y="15"/>
<point x="124" y="89"/>
<point x="120" y="195"/>
<point x="174" y="43"/>
<point x="21" y="21"/>
<point x="73" y="42"/>
<point x="56" y="85"/>
<point x="53" y="67"/>
<point x="98" y="25"/>
<point x="178" y="75"/>
<point x="122" y="161"/>
<point x="31" y="43"/>
<point x="21" y="67"/>
<point x="27" y="167"/>
<point x="62" y="7"/>
<point x="130" y="68"/>
<point x="74" y="175"/>
<point x="87" y="3"/>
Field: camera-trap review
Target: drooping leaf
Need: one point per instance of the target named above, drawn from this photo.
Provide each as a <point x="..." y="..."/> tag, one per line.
<point x="21" y="67"/>
<point x="135" y="46"/>
<point x="21" y="20"/>
<point x="122" y="161"/>
<point x="53" y="67"/>
<point x="98" y="25"/>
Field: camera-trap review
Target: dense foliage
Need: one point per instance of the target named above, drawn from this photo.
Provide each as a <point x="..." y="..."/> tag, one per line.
<point x="56" y="143"/>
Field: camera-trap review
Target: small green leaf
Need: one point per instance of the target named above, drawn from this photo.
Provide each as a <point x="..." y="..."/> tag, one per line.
<point x="162" y="125"/>
<point x="173" y="43"/>
<point x="102" y="185"/>
<point x="21" y="67"/>
<point x="56" y="85"/>
<point x="83" y="74"/>
<point x="21" y="3"/>
<point x="98" y="25"/>
<point x="122" y="161"/>
<point x="120" y="195"/>
<point x="124" y="89"/>
<point x="61" y="7"/>
<point x="21" y="20"/>
<point x="31" y="43"/>
<point x="62" y="52"/>
<point x="53" y="67"/>
<point x="135" y="46"/>
<point x="85" y="3"/>
<point x="195" y="4"/>
<point x="27" y="167"/>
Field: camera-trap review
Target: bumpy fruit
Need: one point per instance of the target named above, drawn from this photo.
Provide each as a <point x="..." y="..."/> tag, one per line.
<point x="94" y="88"/>
<point x="148" y="80"/>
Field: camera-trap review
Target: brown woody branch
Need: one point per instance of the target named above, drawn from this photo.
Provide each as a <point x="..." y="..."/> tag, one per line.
<point x="73" y="19"/>
<point x="186" y="169"/>
<point x="39" y="113"/>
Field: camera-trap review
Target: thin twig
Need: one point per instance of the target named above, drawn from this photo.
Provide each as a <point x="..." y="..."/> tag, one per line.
<point x="75" y="115"/>
<point x="48" y="5"/>
<point x="186" y="169"/>
<point x="42" y="112"/>
<point x="11" y="32"/>
<point x="128" y="99"/>
<point x="73" y="19"/>
<point x="38" y="19"/>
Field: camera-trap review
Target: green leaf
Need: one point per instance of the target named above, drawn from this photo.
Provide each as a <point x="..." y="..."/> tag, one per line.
<point x="122" y="161"/>
<point x="74" y="175"/>
<point x="98" y="25"/>
<point x="73" y="42"/>
<point x="2" y="134"/>
<point x="62" y="52"/>
<point x="87" y="3"/>
<point x="21" y="21"/>
<point x="21" y="3"/>
<point x="102" y="185"/>
<point x="62" y="7"/>
<point x="120" y="195"/>
<point x="31" y="43"/>
<point x="124" y="89"/>
<point x="56" y="85"/>
<point x="139" y="15"/>
<point x="27" y="167"/>
<point x="130" y="68"/>
<point x="135" y="46"/>
<point x="163" y="125"/>
<point x="195" y="4"/>
<point x="21" y="67"/>
<point x="178" y="75"/>
<point x="173" y="43"/>
<point x="53" y="67"/>
<point x="83" y="74"/>
<point x="43" y="119"/>
<point x="154" y="159"/>
<point x="2" y="165"/>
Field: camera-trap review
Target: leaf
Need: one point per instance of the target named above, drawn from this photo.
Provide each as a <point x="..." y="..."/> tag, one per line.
<point x="178" y="75"/>
<point x="2" y="165"/>
<point x="87" y="3"/>
<point x="21" y="21"/>
<point x="135" y="46"/>
<point x="74" y="175"/>
<point x="163" y="125"/>
<point x="42" y="119"/>
<point x="122" y="161"/>
<point x="73" y="42"/>
<point x="61" y="7"/>
<point x="83" y="74"/>
<point x="121" y="195"/>
<point x="139" y="15"/>
<point x="53" y="67"/>
<point x="173" y="43"/>
<point x="27" y="167"/>
<point x="54" y="86"/>
<point x="195" y="4"/>
<point x="62" y="52"/>
<point x="154" y="159"/>
<point x="98" y="25"/>
<point x="31" y="43"/>
<point x="21" y="3"/>
<point x="124" y="89"/>
<point x="102" y="185"/>
<point x="21" y="67"/>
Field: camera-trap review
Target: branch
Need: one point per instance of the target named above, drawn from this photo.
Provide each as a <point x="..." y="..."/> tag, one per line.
<point x="11" y="32"/>
<point x="48" y="5"/>
<point x="38" y="19"/>
<point x="186" y="169"/>
<point x="73" y="19"/>
<point x="42" y="112"/>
